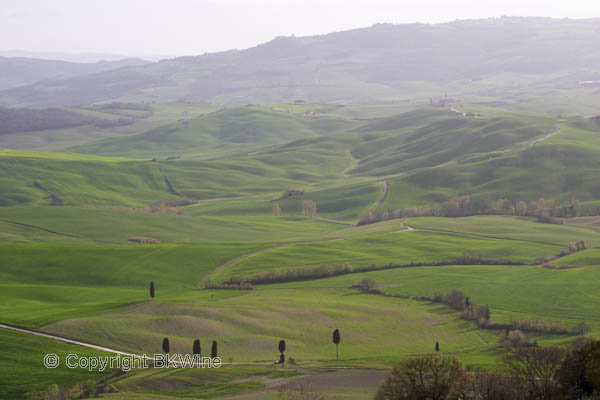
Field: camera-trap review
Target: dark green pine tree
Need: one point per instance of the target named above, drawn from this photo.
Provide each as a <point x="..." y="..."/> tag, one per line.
<point x="336" y="341"/>
<point x="152" y="289"/>
<point x="437" y="347"/>
<point x="196" y="349"/>
<point x="166" y="346"/>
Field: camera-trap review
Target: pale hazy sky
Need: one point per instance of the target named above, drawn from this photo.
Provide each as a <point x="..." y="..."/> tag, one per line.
<point x="191" y="27"/>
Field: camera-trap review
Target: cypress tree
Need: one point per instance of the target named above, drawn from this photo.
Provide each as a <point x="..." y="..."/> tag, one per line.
<point x="336" y="341"/>
<point x="196" y="349"/>
<point x="166" y="346"/>
<point x="281" y="346"/>
<point x="437" y="347"/>
<point x="152" y="289"/>
<point x="213" y="352"/>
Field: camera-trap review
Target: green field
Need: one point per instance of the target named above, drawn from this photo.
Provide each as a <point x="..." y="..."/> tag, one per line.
<point x="118" y="225"/>
<point x="50" y="282"/>
<point x="398" y="248"/>
<point x="566" y="296"/>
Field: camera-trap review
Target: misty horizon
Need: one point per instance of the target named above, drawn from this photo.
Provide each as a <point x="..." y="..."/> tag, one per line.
<point x="105" y="31"/>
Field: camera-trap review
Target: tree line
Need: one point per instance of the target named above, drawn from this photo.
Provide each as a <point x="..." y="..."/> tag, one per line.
<point x="463" y="206"/>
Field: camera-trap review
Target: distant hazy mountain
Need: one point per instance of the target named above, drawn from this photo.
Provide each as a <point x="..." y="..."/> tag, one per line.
<point x="381" y="62"/>
<point x="76" y="57"/>
<point x="20" y="71"/>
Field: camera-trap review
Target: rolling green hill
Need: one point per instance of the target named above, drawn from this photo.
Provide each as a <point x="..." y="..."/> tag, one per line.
<point x="97" y="122"/>
<point x="238" y="130"/>
<point x="428" y="155"/>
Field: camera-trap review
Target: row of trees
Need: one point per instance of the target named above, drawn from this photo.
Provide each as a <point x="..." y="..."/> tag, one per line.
<point x="462" y="206"/>
<point x="196" y="349"/>
<point x="527" y="373"/>
<point x="336" y="340"/>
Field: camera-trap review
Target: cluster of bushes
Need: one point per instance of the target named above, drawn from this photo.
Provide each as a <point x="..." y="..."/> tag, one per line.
<point x="528" y="373"/>
<point x="512" y="339"/>
<point x="143" y="240"/>
<point x="574" y="247"/>
<point x="545" y="210"/>
<point x="469" y="311"/>
<point x="229" y="286"/>
<point x="84" y="390"/>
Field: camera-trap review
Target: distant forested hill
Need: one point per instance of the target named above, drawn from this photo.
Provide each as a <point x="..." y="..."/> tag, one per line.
<point x="492" y="59"/>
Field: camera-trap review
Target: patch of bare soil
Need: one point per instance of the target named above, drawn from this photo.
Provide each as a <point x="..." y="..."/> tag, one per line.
<point x="341" y="379"/>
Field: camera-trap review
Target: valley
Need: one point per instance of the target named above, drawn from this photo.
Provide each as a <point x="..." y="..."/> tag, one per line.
<point x="416" y="202"/>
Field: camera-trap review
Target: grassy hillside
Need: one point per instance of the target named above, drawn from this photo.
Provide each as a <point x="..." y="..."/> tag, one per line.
<point x="395" y="248"/>
<point x="559" y="167"/>
<point x="33" y="178"/>
<point x="113" y="120"/>
<point x="343" y="203"/>
<point x="371" y="326"/>
<point x="224" y="132"/>
<point x="487" y="156"/>
<point x="435" y="138"/>
<point x="50" y="282"/>
<point x="48" y="223"/>
<point x="566" y="296"/>
<point x="497" y="226"/>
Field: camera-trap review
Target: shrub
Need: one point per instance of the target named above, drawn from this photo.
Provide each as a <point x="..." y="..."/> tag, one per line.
<point x="367" y="284"/>
<point x="512" y="339"/>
